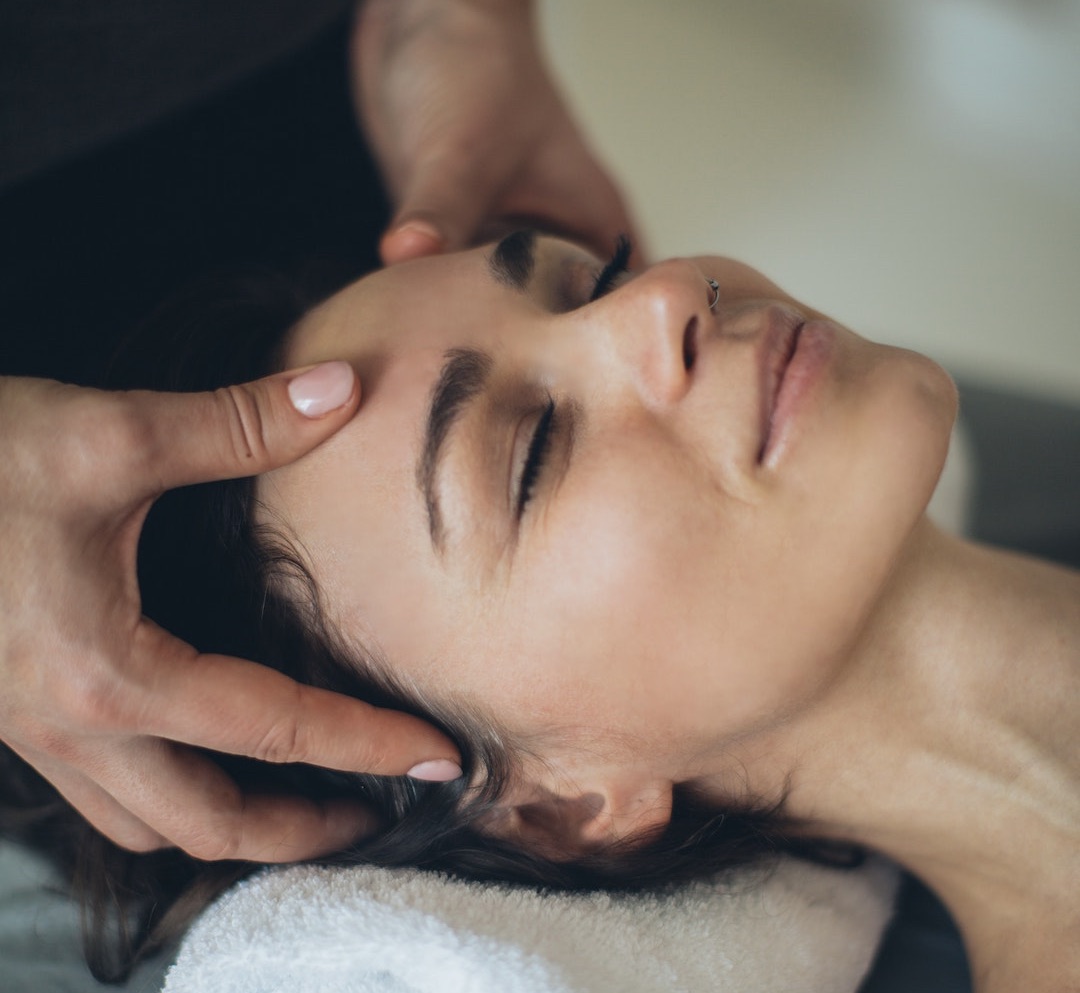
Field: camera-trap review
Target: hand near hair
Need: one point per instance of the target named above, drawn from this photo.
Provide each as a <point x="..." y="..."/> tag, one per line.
<point x="102" y="702"/>
<point x="469" y="130"/>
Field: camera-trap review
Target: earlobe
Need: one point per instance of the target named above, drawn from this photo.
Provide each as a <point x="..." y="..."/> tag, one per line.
<point x="630" y="811"/>
<point x="557" y="826"/>
<point x="561" y="827"/>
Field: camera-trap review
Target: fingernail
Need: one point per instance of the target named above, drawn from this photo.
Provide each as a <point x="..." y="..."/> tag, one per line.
<point x="435" y="771"/>
<point x="322" y="389"/>
<point x="420" y="229"/>
<point x="412" y="240"/>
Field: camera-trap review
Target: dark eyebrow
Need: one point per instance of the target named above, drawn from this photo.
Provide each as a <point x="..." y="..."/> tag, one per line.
<point x="513" y="260"/>
<point x="463" y="377"/>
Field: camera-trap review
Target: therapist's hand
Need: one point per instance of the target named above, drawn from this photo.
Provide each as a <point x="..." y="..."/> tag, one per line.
<point x="469" y="131"/>
<point x="102" y="702"/>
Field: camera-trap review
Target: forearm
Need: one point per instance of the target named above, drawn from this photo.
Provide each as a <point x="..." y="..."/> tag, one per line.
<point x="395" y="21"/>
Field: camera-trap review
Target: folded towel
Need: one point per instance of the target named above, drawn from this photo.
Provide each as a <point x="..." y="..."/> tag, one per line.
<point x="796" y="928"/>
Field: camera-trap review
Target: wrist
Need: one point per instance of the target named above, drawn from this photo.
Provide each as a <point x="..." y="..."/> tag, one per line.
<point x="382" y="29"/>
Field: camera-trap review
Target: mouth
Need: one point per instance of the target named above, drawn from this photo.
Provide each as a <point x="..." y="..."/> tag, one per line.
<point x="781" y="338"/>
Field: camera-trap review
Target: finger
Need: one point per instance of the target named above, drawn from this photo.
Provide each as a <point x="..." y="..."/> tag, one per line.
<point x="101" y="810"/>
<point x="181" y="438"/>
<point x="568" y="191"/>
<point x="596" y="224"/>
<point x="190" y="801"/>
<point x="442" y="208"/>
<point x="412" y="238"/>
<point x="230" y="705"/>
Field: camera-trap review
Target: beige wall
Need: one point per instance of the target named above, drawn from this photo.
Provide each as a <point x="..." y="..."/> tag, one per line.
<point x="910" y="166"/>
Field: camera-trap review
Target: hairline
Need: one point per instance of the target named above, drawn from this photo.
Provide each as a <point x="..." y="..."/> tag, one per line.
<point x="294" y="580"/>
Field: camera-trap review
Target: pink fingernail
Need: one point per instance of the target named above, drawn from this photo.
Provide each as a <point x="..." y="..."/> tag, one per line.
<point x="435" y="771"/>
<point x="420" y="229"/>
<point x="411" y="240"/>
<point x="322" y="389"/>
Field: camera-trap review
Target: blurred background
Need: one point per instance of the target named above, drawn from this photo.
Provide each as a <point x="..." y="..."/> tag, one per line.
<point x="911" y="167"/>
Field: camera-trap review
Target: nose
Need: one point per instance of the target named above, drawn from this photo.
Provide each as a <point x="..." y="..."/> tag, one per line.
<point x="651" y="327"/>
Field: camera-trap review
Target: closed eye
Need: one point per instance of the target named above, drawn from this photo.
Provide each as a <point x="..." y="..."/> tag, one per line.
<point x="616" y="266"/>
<point x="536" y="458"/>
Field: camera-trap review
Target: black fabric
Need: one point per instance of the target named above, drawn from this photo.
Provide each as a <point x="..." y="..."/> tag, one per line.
<point x="922" y="951"/>
<point x="76" y="73"/>
<point x="1027" y="453"/>
<point x="272" y="173"/>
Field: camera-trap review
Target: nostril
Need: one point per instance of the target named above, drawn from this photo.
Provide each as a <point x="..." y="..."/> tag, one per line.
<point x="689" y="344"/>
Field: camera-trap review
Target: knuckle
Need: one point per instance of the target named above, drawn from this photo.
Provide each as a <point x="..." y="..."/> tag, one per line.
<point x="220" y="846"/>
<point x="63" y="451"/>
<point x="214" y="831"/>
<point x="281" y="743"/>
<point x="72" y="718"/>
<point x="247" y="428"/>
<point x="56" y="697"/>
<point x="45" y="740"/>
<point x="119" y="826"/>
<point x="90" y="703"/>
<point x="139" y="839"/>
<point x="374" y="756"/>
<point x="111" y="431"/>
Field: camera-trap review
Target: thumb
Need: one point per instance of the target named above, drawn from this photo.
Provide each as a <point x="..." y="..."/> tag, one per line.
<point x="441" y="211"/>
<point x="239" y="430"/>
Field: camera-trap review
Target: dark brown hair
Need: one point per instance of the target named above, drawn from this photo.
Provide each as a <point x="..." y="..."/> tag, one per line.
<point x="215" y="576"/>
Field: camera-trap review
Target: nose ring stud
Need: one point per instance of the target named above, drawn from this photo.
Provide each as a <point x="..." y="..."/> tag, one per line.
<point x="715" y="287"/>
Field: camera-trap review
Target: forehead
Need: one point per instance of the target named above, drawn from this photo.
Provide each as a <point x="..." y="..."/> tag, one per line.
<point x="439" y="301"/>
<point x="353" y="504"/>
<point x="409" y="306"/>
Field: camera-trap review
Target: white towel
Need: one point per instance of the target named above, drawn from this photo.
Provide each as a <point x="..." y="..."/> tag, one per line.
<point x="799" y="928"/>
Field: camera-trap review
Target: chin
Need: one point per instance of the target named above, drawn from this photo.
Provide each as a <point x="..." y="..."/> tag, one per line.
<point x="931" y="405"/>
<point x="883" y="473"/>
<point x="908" y="409"/>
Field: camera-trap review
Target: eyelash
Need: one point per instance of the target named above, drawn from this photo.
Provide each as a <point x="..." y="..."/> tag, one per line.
<point x="536" y="458"/>
<point x="540" y="445"/>
<point x="617" y="266"/>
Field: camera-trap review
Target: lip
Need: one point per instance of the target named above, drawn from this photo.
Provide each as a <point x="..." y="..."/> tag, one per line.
<point x="793" y="361"/>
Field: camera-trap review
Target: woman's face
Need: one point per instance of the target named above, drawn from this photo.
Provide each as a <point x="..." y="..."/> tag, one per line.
<point x="634" y="529"/>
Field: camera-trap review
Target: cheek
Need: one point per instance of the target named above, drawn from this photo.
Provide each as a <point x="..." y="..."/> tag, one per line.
<point x="610" y="597"/>
<point x="672" y="611"/>
<point x="654" y="602"/>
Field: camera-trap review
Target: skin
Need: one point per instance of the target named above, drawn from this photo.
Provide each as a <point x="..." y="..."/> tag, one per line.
<point x="101" y="701"/>
<point x="469" y="129"/>
<point x="661" y="480"/>
<point x="671" y="607"/>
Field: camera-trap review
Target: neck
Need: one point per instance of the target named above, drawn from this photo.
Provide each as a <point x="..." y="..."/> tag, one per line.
<point x="950" y="744"/>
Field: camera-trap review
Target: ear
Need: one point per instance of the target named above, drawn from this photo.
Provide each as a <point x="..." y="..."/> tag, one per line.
<point x="561" y="826"/>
